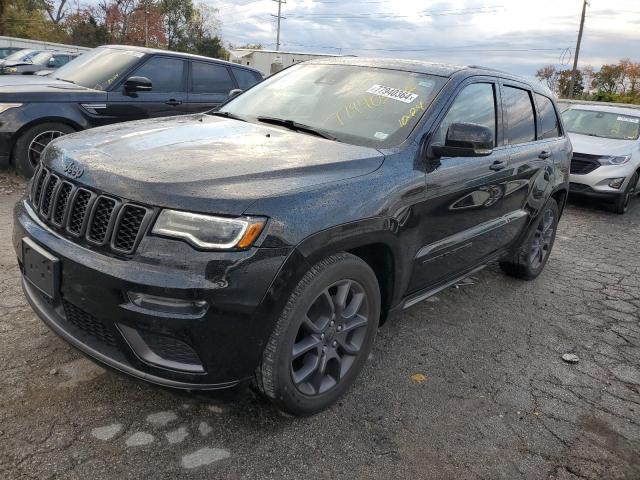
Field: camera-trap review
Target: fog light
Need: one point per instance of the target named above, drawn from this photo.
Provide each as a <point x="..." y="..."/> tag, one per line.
<point x="616" y="182"/>
<point x="168" y="305"/>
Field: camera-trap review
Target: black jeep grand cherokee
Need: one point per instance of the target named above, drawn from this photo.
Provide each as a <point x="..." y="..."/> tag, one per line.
<point x="268" y="240"/>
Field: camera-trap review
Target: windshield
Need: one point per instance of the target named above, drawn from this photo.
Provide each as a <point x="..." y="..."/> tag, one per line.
<point x="41" y="58"/>
<point x="99" y="68"/>
<point x="360" y="105"/>
<point x="602" y="124"/>
<point x="21" y="55"/>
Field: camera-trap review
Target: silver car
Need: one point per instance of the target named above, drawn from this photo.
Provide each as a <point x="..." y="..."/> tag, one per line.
<point x="606" y="152"/>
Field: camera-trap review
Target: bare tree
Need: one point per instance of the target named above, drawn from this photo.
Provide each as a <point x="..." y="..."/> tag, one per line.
<point x="56" y="14"/>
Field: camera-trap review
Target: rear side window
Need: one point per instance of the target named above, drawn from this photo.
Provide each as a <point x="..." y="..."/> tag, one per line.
<point x="245" y="78"/>
<point x="474" y="104"/>
<point x="549" y="123"/>
<point x="166" y="74"/>
<point x="518" y="110"/>
<point x="210" y="78"/>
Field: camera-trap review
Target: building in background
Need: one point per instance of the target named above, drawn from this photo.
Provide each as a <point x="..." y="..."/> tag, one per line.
<point x="271" y="61"/>
<point x="13" y="42"/>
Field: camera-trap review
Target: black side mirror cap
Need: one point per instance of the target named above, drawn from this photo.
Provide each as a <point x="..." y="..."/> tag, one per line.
<point x="137" y="84"/>
<point x="235" y="92"/>
<point x="466" y="140"/>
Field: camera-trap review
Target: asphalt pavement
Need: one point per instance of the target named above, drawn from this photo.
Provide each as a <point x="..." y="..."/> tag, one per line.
<point x="470" y="384"/>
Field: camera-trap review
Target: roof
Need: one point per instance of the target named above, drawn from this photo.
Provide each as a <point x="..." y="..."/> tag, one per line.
<point x="431" y="68"/>
<point x="282" y="52"/>
<point x="148" y="50"/>
<point x="633" y="110"/>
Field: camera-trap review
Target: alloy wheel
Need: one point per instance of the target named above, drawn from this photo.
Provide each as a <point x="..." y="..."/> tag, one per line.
<point x="38" y="144"/>
<point x="330" y="337"/>
<point x="541" y="243"/>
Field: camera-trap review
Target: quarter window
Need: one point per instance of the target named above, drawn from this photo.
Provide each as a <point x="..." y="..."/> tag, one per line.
<point x="210" y="78"/>
<point x="245" y="78"/>
<point x="518" y="109"/>
<point x="549" y="123"/>
<point x="474" y="104"/>
<point x="166" y="74"/>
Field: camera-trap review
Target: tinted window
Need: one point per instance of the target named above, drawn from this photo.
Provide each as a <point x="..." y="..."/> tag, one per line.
<point x="165" y="74"/>
<point x="210" y="78"/>
<point x="475" y="104"/>
<point x="518" y="109"/>
<point x="549" y="123"/>
<point x="245" y="78"/>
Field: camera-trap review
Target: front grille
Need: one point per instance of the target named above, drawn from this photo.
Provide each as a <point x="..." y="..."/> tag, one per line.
<point x="583" y="163"/>
<point x="89" y="324"/>
<point x="578" y="187"/>
<point x="87" y="216"/>
<point x="170" y="348"/>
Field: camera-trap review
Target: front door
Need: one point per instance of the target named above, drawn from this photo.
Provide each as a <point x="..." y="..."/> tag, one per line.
<point x="464" y="209"/>
<point x="210" y="86"/>
<point x="167" y="97"/>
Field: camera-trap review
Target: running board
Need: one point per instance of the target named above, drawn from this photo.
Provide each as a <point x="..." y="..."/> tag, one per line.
<point x="419" y="297"/>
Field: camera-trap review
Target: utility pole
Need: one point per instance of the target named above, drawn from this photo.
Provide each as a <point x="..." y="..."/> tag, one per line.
<point x="146" y="25"/>
<point x="574" y="72"/>
<point x="279" y="17"/>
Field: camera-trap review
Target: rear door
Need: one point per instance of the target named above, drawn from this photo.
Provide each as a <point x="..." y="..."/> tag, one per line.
<point x="531" y="154"/>
<point x="210" y="84"/>
<point x="168" y="96"/>
<point x="464" y="210"/>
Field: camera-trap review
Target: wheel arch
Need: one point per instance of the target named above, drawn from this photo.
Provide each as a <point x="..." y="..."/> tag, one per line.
<point x="39" y="121"/>
<point x="560" y="196"/>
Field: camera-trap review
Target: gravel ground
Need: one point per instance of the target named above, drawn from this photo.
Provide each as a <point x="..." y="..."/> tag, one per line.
<point x="468" y="385"/>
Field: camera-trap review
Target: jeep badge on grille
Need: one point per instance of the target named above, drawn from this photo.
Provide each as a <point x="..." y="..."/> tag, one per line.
<point x="72" y="169"/>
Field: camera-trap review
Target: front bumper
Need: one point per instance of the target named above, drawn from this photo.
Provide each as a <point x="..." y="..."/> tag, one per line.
<point x="596" y="183"/>
<point x="92" y="310"/>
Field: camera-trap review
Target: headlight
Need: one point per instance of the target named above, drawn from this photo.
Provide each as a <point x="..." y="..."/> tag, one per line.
<point x="6" y="106"/>
<point x="612" y="160"/>
<point x="208" y="232"/>
<point x="10" y="69"/>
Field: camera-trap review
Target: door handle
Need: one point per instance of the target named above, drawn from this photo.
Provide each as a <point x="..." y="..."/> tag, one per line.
<point x="544" y="155"/>
<point x="173" y="102"/>
<point x="498" y="165"/>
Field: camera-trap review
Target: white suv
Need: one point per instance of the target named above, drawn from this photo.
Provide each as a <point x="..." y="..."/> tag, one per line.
<point x="606" y="152"/>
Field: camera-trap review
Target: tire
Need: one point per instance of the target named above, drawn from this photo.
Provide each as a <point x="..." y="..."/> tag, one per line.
<point x="622" y="202"/>
<point x="26" y="153"/>
<point x="529" y="257"/>
<point x="343" y="330"/>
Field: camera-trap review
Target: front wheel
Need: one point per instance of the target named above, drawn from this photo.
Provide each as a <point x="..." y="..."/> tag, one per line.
<point x="622" y="202"/>
<point x="32" y="142"/>
<point x="323" y="336"/>
<point x="531" y="255"/>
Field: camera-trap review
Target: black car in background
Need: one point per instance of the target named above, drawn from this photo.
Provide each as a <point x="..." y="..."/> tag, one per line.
<point x="107" y="85"/>
<point x="47" y="60"/>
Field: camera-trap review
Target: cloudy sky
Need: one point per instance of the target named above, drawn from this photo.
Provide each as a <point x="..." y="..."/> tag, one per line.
<point x="517" y="35"/>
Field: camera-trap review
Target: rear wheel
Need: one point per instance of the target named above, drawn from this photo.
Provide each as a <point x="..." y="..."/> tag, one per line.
<point x="33" y="141"/>
<point x="323" y="336"/>
<point x="622" y="202"/>
<point x="530" y="257"/>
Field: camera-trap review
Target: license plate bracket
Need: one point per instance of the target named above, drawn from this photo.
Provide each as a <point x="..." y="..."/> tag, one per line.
<point x="41" y="268"/>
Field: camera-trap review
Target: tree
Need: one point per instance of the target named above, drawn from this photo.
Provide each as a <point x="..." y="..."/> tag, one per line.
<point x="259" y="46"/>
<point x="608" y="79"/>
<point x="83" y="29"/>
<point x="547" y="75"/>
<point x="631" y="75"/>
<point x="55" y="14"/>
<point x="564" y="84"/>
<point x="177" y="15"/>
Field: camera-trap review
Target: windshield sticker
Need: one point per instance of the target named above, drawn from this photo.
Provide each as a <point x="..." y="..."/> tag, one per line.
<point x="427" y="83"/>
<point x="381" y="135"/>
<point x="413" y="111"/>
<point x="393" y="93"/>
<point x="629" y="119"/>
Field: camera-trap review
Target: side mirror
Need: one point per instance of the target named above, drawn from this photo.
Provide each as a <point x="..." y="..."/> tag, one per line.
<point x="234" y="93"/>
<point x="51" y="62"/>
<point x="137" y="84"/>
<point x="466" y="140"/>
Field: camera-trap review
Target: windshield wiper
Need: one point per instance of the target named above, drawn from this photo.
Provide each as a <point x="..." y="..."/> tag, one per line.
<point x="299" y="127"/>
<point x="65" y="80"/>
<point x="227" y="115"/>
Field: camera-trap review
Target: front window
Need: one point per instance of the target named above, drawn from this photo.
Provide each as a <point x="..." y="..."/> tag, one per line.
<point x="21" y="56"/>
<point x="100" y="68"/>
<point x="360" y="105"/>
<point x="602" y="124"/>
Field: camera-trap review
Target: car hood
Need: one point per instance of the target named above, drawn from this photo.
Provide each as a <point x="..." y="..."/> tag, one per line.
<point x="33" y="88"/>
<point x="204" y="163"/>
<point x="602" y="146"/>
